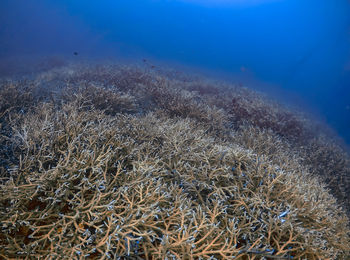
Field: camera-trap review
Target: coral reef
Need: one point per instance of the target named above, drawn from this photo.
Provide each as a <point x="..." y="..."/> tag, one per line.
<point x="102" y="162"/>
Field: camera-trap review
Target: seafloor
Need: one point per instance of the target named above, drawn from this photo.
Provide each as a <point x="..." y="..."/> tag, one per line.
<point x="134" y="162"/>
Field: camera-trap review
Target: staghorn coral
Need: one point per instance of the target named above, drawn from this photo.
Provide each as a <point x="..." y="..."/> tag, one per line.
<point x="111" y="101"/>
<point x="158" y="181"/>
<point x="323" y="157"/>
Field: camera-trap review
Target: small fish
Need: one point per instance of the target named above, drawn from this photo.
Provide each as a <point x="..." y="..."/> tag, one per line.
<point x="75" y="53"/>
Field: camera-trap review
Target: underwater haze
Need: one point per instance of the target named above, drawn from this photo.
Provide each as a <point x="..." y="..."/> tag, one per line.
<point x="297" y="51"/>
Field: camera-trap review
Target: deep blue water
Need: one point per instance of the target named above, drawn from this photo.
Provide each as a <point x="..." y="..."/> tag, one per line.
<point x="296" y="50"/>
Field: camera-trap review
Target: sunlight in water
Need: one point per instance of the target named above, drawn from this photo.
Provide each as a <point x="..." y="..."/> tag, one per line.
<point x="241" y="3"/>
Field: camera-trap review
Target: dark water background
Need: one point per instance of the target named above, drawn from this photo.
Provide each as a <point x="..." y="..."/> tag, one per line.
<point x="295" y="50"/>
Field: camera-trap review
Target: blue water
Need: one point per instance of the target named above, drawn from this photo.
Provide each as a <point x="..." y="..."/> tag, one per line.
<point x="295" y="50"/>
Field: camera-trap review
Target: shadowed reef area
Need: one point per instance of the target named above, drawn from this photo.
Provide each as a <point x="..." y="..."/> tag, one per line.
<point x="131" y="162"/>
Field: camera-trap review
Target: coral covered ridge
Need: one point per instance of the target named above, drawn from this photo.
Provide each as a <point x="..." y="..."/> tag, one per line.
<point x="127" y="162"/>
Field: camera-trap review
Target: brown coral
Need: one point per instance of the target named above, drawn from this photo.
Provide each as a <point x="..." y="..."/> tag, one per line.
<point x="96" y="174"/>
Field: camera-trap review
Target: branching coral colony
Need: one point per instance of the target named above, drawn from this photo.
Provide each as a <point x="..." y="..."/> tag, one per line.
<point x="126" y="163"/>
